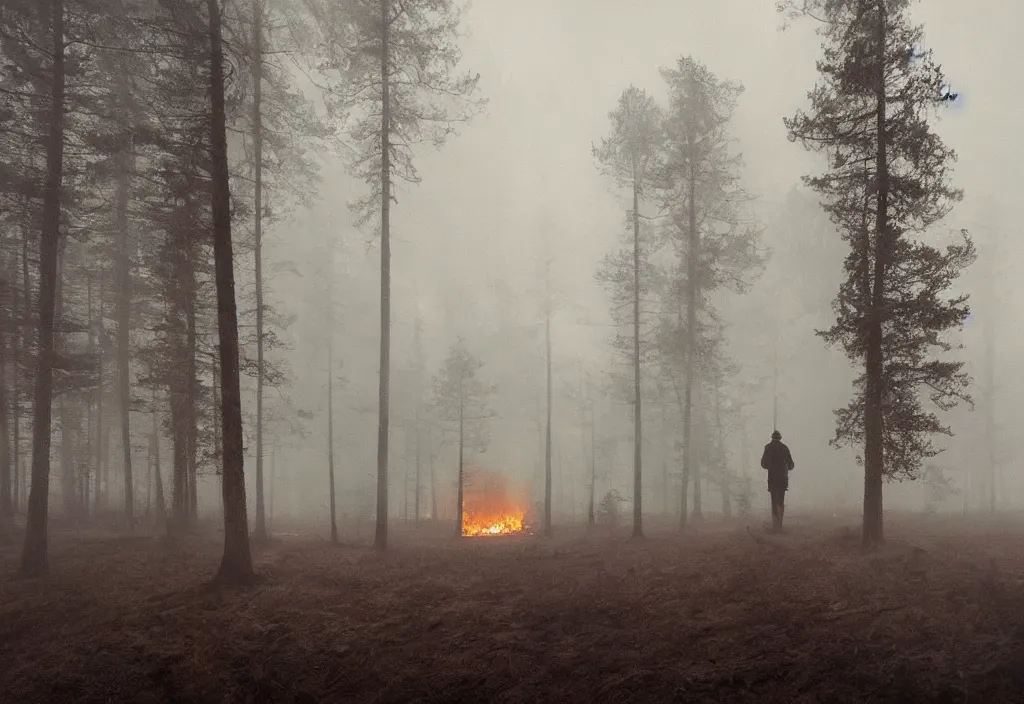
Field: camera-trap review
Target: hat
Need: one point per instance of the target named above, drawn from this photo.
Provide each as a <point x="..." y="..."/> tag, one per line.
<point x="776" y="435"/>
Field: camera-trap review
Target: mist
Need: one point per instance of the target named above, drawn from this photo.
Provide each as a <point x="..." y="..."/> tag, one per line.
<point x="559" y="306"/>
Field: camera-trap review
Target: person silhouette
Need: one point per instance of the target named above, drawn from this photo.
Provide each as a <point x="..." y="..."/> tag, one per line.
<point x="778" y="461"/>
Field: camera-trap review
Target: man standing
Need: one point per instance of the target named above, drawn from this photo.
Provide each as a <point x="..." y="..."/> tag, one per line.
<point x="779" y="463"/>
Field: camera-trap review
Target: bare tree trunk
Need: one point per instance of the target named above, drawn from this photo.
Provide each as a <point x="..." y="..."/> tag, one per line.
<point x="548" y="400"/>
<point x="161" y="505"/>
<point x="458" y="499"/>
<point x="725" y="485"/>
<point x="109" y="483"/>
<point x="419" y="462"/>
<point x="124" y="292"/>
<point x="270" y="487"/>
<point x="583" y="447"/>
<point x="6" y="502"/>
<point x="149" y="483"/>
<point x="330" y="429"/>
<point x="68" y="492"/>
<point x="572" y="496"/>
<point x="100" y="436"/>
<point x="405" y="484"/>
<point x="179" y="449"/>
<point x="691" y="468"/>
<point x="685" y="483"/>
<point x="380" y="540"/>
<point x="67" y="471"/>
<point x="257" y="132"/>
<point x="17" y="341"/>
<point x="83" y="459"/>
<point x="89" y="437"/>
<point x="418" y="420"/>
<point x="190" y="410"/>
<point x="236" y="565"/>
<point x="34" y="558"/>
<point x="217" y="405"/>
<point x="638" y="528"/>
<point x="593" y="468"/>
<point x="27" y="291"/>
<point x="666" y="449"/>
<point x="587" y="405"/>
<point x="433" y="481"/>
<point x="989" y="386"/>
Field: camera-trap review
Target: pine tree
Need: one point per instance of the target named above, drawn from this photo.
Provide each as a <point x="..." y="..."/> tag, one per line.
<point x="280" y="126"/>
<point x="630" y="155"/>
<point x="715" y="241"/>
<point x="34" y="559"/>
<point x="236" y="565"/>
<point x="886" y="189"/>
<point x="397" y="60"/>
<point x="460" y="398"/>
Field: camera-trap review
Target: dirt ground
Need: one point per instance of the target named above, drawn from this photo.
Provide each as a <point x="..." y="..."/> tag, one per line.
<point x="727" y="613"/>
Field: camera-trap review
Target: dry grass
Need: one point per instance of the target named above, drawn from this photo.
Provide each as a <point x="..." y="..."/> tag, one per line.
<point x="729" y="614"/>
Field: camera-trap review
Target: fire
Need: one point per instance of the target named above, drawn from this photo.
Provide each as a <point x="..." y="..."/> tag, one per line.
<point x="491" y="525"/>
<point x="488" y="507"/>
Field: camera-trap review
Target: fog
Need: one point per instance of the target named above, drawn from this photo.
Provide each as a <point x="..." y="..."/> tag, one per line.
<point x="559" y="305"/>
<point x="519" y="186"/>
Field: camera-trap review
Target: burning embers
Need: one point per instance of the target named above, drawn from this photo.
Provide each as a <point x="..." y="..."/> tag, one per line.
<point x="489" y="506"/>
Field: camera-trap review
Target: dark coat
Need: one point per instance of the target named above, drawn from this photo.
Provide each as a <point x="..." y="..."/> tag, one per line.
<point x="779" y="462"/>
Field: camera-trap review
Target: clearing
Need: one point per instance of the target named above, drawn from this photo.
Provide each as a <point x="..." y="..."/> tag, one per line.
<point x="724" y="614"/>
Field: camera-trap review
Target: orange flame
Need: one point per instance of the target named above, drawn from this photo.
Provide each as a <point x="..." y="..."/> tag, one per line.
<point x="487" y="507"/>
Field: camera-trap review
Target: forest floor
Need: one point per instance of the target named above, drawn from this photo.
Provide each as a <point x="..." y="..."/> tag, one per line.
<point x="726" y="613"/>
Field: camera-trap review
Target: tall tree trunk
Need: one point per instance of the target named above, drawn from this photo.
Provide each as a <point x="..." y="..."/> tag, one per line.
<point x="989" y="386"/>
<point x="330" y="429"/>
<point x="108" y="480"/>
<point x="685" y="480"/>
<point x="34" y="558"/>
<point x="416" y="500"/>
<point x="100" y="427"/>
<point x="236" y="565"/>
<point x="257" y="137"/>
<point x="380" y="540"/>
<point x="187" y="387"/>
<point x="179" y="450"/>
<point x="124" y="293"/>
<point x="405" y="484"/>
<point x="874" y="455"/>
<point x="27" y="291"/>
<point x="593" y="468"/>
<point x="6" y="502"/>
<point x="17" y="343"/>
<point x="217" y="405"/>
<point x="420" y="373"/>
<point x="149" y="483"/>
<point x="745" y="460"/>
<point x="191" y="409"/>
<point x="89" y="437"/>
<point x="85" y="456"/>
<point x="638" y="529"/>
<point x="725" y="483"/>
<point x="460" y="492"/>
<point x="67" y="470"/>
<point x="583" y="444"/>
<point x="689" y="466"/>
<point x="158" y="489"/>
<point x="666" y="449"/>
<point x="433" y="481"/>
<point x="547" y="402"/>
<point x="270" y="488"/>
